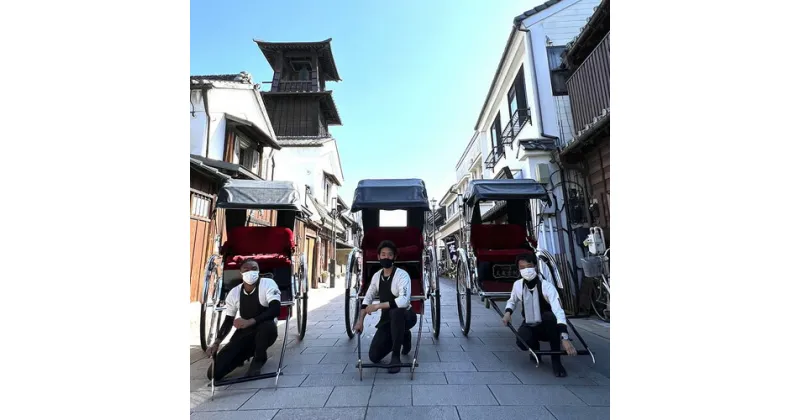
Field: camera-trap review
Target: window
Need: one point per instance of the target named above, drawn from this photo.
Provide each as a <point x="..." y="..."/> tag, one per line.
<point x="517" y="98"/>
<point x="248" y="154"/>
<point x="558" y="73"/>
<point x="301" y="69"/>
<point x="497" y="143"/>
<point x="200" y="205"/>
<point x="327" y="186"/>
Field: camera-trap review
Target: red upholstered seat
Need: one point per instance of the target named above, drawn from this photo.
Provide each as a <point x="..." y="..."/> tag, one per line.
<point x="498" y="243"/>
<point x="408" y="241"/>
<point x="270" y="246"/>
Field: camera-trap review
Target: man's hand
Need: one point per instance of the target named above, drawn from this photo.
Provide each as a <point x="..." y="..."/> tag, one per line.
<point x="373" y="308"/>
<point x="506" y="318"/>
<point x="359" y="326"/>
<point x="212" y="349"/>
<point x="569" y="348"/>
<point x="241" y="323"/>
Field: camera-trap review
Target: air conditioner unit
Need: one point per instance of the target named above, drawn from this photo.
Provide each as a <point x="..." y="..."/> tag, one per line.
<point x="543" y="173"/>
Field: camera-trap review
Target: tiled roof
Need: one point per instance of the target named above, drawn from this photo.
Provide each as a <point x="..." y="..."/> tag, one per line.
<point x="243" y="77"/>
<point x="535" y="10"/>
<point x="323" y="48"/>
<point x="303" y="141"/>
<point x="538" y="144"/>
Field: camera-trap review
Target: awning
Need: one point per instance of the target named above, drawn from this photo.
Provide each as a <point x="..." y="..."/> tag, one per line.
<point x="208" y="170"/>
<point x="227" y="167"/>
<point x="252" y="131"/>
<point x="327" y="220"/>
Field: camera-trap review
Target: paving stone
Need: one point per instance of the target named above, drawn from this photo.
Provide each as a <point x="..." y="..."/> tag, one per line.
<point x="495" y="347"/>
<point x="390" y="395"/>
<point x="234" y="415"/>
<point x="412" y="413"/>
<point x="340" y="379"/>
<point x="566" y="412"/>
<point x="286" y="381"/>
<point x="328" y="342"/>
<point x="521" y="412"/>
<point x="544" y="376"/>
<point x="349" y="396"/>
<point x="592" y="395"/>
<point x="452" y="395"/>
<point x="298" y="369"/>
<point x="446" y="367"/>
<point x="472" y="356"/>
<point x="303" y="359"/>
<point x="481" y="378"/>
<point x="404" y="378"/>
<point x="321" y="414"/>
<point x="343" y="357"/>
<point x="329" y="349"/>
<point x="289" y="398"/>
<point x="534" y="395"/>
<point x="223" y="399"/>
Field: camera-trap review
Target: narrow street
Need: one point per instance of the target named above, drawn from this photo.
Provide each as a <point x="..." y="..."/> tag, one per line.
<point x="480" y="376"/>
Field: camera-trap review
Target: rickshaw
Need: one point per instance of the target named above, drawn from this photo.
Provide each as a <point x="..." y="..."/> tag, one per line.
<point x="272" y="247"/>
<point x="487" y="266"/>
<point x="372" y="196"/>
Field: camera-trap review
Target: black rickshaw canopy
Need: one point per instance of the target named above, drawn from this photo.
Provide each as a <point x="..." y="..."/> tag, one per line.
<point x="504" y="189"/>
<point x="259" y="195"/>
<point x="390" y="194"/>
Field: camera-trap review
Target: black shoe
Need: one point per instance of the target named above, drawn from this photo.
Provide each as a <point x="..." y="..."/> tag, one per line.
<point x="255" y="367"/>
<point x="395" y="361"/>
<point x="406" y="343"/>
<point x="558" y="369"/>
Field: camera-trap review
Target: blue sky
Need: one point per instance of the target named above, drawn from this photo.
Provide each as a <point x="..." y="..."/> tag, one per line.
<point x="414" y="73"/>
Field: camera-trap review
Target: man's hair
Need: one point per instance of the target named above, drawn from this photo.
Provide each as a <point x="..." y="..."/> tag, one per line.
<point x="387" y="244"/>
<point x="525" y="257"/>
<point x="250" y="261"/>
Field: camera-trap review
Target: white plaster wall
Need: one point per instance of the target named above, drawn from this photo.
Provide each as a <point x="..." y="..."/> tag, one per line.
<point x="560" y="24"/>
<point x="242" y="102"/>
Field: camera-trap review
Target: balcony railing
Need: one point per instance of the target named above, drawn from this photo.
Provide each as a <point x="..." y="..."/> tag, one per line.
<point x="295" y="86"/>
<point x="494" y="157"/>
<point x="515" y="124"/>
<point x="588" y="86"/>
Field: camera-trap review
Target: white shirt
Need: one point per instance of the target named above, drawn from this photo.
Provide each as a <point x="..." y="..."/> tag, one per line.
<point x="401" y="288"/>
<point x="530" y="297"/>
<point x="267" y="292"/>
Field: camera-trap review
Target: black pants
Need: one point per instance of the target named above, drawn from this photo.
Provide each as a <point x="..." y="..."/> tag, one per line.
<point x="546" y="331"/>
<point x="389" y="337"/>
<point x="249" y="342"/>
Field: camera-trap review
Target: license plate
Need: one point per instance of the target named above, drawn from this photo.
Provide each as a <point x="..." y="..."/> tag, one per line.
<point x="505" y="271"/>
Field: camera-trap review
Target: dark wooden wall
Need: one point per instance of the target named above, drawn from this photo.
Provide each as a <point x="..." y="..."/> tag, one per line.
<point x="296" y="115"/>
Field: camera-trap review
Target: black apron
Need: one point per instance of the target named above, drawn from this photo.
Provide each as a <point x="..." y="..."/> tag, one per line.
<point x="249" y="305"/>
<point x="385" y="295"/>
<point x="543" y="305"/>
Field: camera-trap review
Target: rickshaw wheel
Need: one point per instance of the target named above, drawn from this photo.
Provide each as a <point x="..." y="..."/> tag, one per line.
<point x="302" y="314"/>
<point x="436" y="315"/>
<point x="351" y="302"/>
<point x="464" y="298"/>
<point x="209" y="317"/>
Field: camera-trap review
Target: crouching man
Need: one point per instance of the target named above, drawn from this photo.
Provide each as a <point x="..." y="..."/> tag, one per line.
<point x="392" y="286"/>
<point x="543" y="318"/>
<point x="258" y="302"/>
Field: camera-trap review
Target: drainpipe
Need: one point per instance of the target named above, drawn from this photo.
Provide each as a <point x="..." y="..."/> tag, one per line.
<point x="560" y="169"/>
<point x="205" y="89"/>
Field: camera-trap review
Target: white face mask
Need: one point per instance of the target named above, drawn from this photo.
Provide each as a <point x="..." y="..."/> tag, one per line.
<point x="250" y="277"/>
<point x="528" y="273"/>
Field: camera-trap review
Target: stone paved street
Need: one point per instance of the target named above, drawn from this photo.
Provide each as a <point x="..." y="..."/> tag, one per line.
<point x="476" y="377"/>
